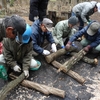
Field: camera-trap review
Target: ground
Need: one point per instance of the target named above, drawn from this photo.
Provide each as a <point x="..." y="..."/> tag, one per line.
<point x="48" y="75"/>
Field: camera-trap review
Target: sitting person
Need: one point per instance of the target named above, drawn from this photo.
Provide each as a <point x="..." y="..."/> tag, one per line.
<point x="40" y="32"/>
<point x="63" y="30"/>
<point x="17" y="46"/>
<point x="91" y="39"/>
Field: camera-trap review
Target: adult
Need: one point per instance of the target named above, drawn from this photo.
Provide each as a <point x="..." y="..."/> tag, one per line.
<point x="37" y="9"/>
<point x="40" y="33"/>
<point x="17" y="46"/>
<point x="64" y="29"/>
<point x="83" y="11"/>
<point x="91" y="37"/>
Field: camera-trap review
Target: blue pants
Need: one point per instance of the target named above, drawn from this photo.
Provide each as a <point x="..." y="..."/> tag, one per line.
<point x="80" y="20"/>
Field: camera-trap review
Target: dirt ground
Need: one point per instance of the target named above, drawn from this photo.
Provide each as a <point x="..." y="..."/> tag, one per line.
<point x="48" y="75"/>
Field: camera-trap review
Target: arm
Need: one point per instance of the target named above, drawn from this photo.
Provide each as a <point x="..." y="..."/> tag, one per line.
<point x="28" y="56"/>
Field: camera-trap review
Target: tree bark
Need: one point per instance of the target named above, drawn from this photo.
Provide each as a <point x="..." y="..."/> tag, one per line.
<point x="71" y="73"/>
<point x="42" y="88"/>
<point x="10" y="86"/>
<point x="60" y="52"/>
<point x="74" y="59"/>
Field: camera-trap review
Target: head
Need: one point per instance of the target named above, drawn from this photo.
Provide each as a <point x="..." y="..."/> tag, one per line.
<point x="72" y="21"/>
<point x="14" y="25"/>
<point x="93" y="28"/>
<point x="94" y="4"/>
<point x="46" y="25"/>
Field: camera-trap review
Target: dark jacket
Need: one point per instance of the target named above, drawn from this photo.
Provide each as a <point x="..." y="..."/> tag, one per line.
<point x="38" y="37"/>
<point x="38" y="8"/>
<point x="95" y="39"/>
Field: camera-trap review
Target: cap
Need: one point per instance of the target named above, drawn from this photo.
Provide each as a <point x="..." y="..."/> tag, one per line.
<point x="73" y="20"/>
<point x="48" y="24"/>
<point x="18" y="23"/>
<point x="98" y="6"/>
<point x="93" y="28"/>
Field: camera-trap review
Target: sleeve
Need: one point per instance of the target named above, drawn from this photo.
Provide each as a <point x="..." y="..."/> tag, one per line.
<point x="36" y="47"/>
<point x="28" y="56"/>
<point x="77" y="35"/>
<point x="10" y="61"/>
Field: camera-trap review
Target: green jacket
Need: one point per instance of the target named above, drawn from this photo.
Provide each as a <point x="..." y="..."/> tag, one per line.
<point x="62" y="30"/>
<point x="15" y="53"/>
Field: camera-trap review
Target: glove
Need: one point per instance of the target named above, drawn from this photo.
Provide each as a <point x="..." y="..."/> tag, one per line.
<point x="53" y="46"/>
<point x="62" y="46"/>
<point x="86" y="49"/>
<point x="2" y="60"/>
<point x="17" y="68"/>
<point x="26" y="72"/>
<point x="36" y="17"/>
<point x="46" y="52"/>
<point x="68" y="45"/>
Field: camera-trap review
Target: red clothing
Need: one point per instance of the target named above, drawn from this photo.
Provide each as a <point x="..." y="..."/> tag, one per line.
<point x="1" y="47"/>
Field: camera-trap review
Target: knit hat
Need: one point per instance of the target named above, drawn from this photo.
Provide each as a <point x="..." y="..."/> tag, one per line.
<point x="93" y="28"/>
<point x="73" y="20"/>
<point x="48" y="24"/>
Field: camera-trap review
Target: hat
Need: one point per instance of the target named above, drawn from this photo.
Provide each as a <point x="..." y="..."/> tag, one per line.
<point x="18" y="23"/>
<point x="73" y="20"/>
<point x="48" y="24"/>
<point x="26" y="35"/>
<point x="98" y="6"/>
<point x="93" y="28"/>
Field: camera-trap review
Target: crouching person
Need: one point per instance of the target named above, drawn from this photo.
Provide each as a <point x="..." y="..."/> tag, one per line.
<point x="17" y="46"/>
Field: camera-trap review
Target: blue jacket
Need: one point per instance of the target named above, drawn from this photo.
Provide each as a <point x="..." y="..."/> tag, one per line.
<point x="95" y="39"/>
<point x="38" y="37"/>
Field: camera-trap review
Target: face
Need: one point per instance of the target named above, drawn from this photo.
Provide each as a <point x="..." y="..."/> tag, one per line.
<point x="95" y="9"/>
<point x="9" y="33"/>
<point x="43" y="28"/>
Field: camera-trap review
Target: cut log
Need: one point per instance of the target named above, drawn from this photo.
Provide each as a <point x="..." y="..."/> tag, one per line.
<point x="42" y="88"/>
<point x="71" y="73"/>
<point x="60" y="52"/>
<point x="10" y="86"/>
<point x="74" y="59"/>
<point x="86" y="59"/>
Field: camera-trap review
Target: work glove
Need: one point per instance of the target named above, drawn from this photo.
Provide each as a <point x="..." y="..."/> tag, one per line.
<point x="26" y="73"/>
<point x="63" y="47"/>
<point x="86" y="49"/>
<point x="53" y="47"/>
<point x="36" y="17"/>
<point x="2" y="60"/>
<point x="17" y="68"/>
<point x="68" y="45"/>
<point x="46" y="52"/>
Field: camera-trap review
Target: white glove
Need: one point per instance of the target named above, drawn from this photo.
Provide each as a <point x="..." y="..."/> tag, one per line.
<point x="53" y="46"/>
<point x="26" y="72"/>
<point x="36" y="17"/>
<point x="17" y="68"/>
<point x="33" y="63"/>
<point x="46" y="52"/>
<point x="2" y="60"/>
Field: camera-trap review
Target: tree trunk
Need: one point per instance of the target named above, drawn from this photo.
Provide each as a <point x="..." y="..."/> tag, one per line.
<point x="60" y="52"/>
<point x="41" y="88"/>
<point x="74" y="59"/>
<point x="10" y="86"/>
<point x="71" y="73"/>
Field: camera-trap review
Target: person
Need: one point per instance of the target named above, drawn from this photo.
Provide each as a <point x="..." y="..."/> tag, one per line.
<point x="91" y="39"/>
<point x="64" y="29"/>
<point x="17" y="45"/>
<point x="37" y="9"/>
<point x="40" y="33"/>
<point x="83" y="11"/>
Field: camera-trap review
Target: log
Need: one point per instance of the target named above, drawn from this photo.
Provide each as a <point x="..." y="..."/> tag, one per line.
<point x="41" y="88"/>
<point x="74" y="59"/>
<point x="60" y="52"/>
<point x="86" y="59"/>
<point x="10" y="86"/>
<point x="71" y="73"/>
